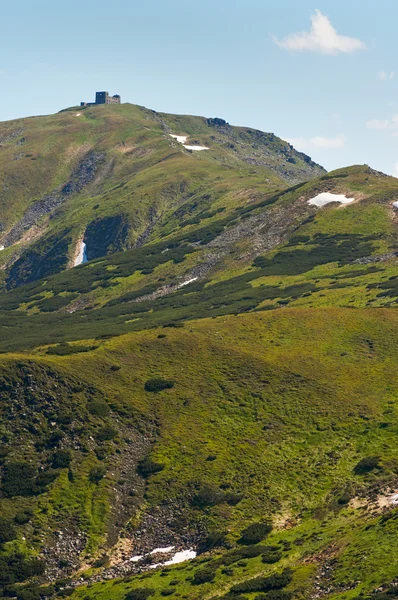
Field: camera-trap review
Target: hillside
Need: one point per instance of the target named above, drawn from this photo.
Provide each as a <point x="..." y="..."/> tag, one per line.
<point x="216" y="383"/>
<point x="113" y="177"/>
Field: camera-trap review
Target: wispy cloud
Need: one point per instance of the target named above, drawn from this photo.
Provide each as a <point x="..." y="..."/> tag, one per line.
<point x="322" y="37"/>
<point x="384" y="76"/>
<point x="318" y="143"/>
<point x="391" y="124"/>
<point x="377" y="124"/>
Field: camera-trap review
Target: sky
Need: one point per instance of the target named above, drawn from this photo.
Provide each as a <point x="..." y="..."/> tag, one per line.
<point x="321" y="74"/>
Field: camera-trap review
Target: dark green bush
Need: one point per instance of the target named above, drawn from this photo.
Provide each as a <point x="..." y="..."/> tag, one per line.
<point x="98" y="408"/>
<point x="7" y="531"/>
<point x="232" y="498"/>
<point x="366" y="465"/>
<point x="54" y="439"/>
<point x="275" y="595"/>
<point x="65" y="349"/>
<point x="208" y="495"/>
<point x="15" y="568"/>
<point x="23" y="517"/>
<point x="97" y="473"/>
<point x="271" y="555"/>
<point x="147" y="466"/>
<point x="140" y="594"/>
<point x="19" y="479"/>
<point x="157" y="385"/>
<point x="264" y="584"/>
<point x="106" y="433"/>
<point x="204" y="575"/>
<point x="62" y="459"/>
<point x="213" y="539"/>
<point x="168" y="592"/>
<point x="255" y="533"/>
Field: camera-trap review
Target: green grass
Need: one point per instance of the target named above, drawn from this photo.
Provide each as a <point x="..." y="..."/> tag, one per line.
<point x="271" y="387"/>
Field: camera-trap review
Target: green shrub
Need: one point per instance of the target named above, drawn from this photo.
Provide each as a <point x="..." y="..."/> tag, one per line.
<point x="98" y="408"/>
<point x="23" y="517"/>
<point x="19" y="479"/>
<point x="255" y="533"/>
<point x="157" y="385"/>
<point x="15" y="568"/>
<point x="54" y="439"/>
<point x="213" y="539"/>
<point x="271" y="555"/>
<point x="264" y="584"/>
<point x="275" y="595"/>
<point x="140" y="594"/>
<point x="106" y="433"/>
<point x="366" y="465"/>
<point x="204" y="575"/>
<point x="62" y="459"/>
<point x="232" y="498"/>
<point x="147" y="466"/>
<point x="7" y="531"/>
<point x="168" y="592"/>
<point x="66" y="349"/>
<point x="97" y="473"/>
<point x="208" y="495"/>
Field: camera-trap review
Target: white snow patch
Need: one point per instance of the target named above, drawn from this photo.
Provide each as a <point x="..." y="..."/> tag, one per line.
<point x="198" y="148"/>
<point x="395" y="205"/>
<point x="2" y="248"/>
<point x="162" y="550"/>
<point x="327" y="197"/>
<point x="177" y="558"/>
<point x="82" y="256"/>
<point x="135" y="558"/>
<point x="182" y="556"/>
<point x="183" y="139"/>
<point x="393" y="499"/>
<point x="180" y="138"/>
<point x="186" y="282"/>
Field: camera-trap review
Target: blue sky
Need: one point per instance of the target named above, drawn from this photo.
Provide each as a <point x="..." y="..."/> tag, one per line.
<point x="332" y="90"/>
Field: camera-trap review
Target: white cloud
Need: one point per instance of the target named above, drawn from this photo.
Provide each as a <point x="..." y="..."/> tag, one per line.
<point x="322" y="38"/>
<point x="383" y="76"/>
<point x="318" y="143"/>
<point x="391" y="124"/>
<point x="377" y="124"/>
<point x="395" y="170"/>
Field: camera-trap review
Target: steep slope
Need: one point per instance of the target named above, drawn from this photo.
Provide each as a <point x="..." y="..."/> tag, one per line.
<point x="281" y="250"/>
<point x="114" y="177"/>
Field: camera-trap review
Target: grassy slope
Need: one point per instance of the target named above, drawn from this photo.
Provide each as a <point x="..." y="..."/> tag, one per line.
<point x="303" y="395"/>
<point x="315" y="267"/>
<point x="143" y="174"/>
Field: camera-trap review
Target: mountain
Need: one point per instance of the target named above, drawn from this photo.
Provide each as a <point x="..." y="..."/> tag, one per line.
<point x="217" y="379"/>
<point x="114" y="177"/>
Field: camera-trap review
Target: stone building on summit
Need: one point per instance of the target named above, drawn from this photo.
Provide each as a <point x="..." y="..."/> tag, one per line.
<point x="103" y="98"/>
